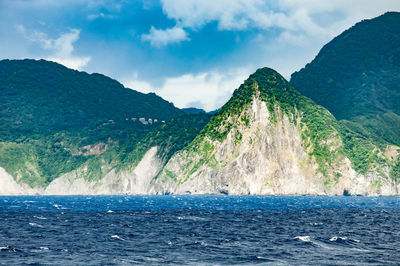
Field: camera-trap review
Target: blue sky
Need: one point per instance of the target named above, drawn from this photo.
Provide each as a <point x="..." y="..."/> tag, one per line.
<point x="192" y="53"/>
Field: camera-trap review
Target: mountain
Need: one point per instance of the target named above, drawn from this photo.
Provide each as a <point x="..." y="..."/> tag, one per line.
<point x="269" y="139"/>
<point x="356" y="77"/>
<point x="193" y="110"/>
<point x="55" y="120"/>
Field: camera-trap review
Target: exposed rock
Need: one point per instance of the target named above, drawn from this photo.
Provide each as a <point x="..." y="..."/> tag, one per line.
<point x="8" y="186"/>
<point x="95" y="149"/>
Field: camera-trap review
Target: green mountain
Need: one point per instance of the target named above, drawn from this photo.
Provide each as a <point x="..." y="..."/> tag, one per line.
<point x="54" y="120"/>
<point x="269" y="139"/>
<point x="41" y="97"/>
<point x="357" y="78"/>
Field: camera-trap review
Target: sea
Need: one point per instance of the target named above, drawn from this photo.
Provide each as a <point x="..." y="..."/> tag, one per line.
<point x="199" y="230"/>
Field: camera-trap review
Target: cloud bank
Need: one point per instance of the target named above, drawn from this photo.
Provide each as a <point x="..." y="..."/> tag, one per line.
<point x="207" y="90"/>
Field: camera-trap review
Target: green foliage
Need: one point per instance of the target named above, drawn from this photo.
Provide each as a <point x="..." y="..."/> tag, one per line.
<point x="359" y="149"/>
<point x="376" y="184"/>
<point x="328" y="184"/>
<point x="37" y="162"/>
<point x="357" y="78"/>
<point x="170" y="174"/>
<point x="19" y="161"/>
<point x="395" y="171"/>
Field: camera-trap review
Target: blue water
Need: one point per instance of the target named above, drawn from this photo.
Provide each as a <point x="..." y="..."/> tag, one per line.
<point x="268" y="230"/>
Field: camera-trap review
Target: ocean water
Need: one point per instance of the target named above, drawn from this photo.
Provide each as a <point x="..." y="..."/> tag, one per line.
<point x="199" y="230"/>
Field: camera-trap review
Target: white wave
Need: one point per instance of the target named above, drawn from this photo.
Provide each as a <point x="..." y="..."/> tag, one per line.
<point x="8" y="248"/>
<point x="36" y="225"/>
<point x="193" y="218"/>
<point x="308" y="239"/>
<point x="316" y="224"/>
<point x="109" y="211"/>
<point x="117" y="237"/>
<point x="44" y="248"/>
<point x="40" y="217"/>
<point x="303" y="238"/>
<point x="202" y="243"/>
<point x="335" y="238"/>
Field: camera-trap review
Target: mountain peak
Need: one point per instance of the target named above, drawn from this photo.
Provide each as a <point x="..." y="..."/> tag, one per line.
<point x="267" y="77"/>
<point x="273" y="87"/>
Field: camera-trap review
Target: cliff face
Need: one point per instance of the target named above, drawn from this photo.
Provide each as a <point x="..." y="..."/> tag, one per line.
<point x="115" y="182"/>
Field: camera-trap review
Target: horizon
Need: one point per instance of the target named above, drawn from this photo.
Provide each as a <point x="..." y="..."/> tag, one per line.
<point x="193" y="54"/>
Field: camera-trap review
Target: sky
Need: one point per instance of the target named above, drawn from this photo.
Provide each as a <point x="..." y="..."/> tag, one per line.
<point x="192" y="53"/>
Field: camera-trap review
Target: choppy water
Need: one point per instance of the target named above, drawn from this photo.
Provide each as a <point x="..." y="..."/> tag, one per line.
<point x="199" y="230"/>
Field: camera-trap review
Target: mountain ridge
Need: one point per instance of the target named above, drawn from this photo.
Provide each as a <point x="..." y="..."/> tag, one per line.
<point x="356" y="77"/>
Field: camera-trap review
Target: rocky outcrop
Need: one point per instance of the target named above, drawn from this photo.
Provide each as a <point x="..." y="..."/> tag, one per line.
<point x="8" y="186"/>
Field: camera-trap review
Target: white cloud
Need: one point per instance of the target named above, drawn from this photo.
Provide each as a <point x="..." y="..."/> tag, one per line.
<point x="165" y="37"/>
<point x="291" y="16"/>
<point x="209" y="90"/>
<point x="230" y="14"/>
<point x="61" y="49"/>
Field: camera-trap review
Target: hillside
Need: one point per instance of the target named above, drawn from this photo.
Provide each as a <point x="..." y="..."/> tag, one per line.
<point x="42" y="97"/>
<point x="269" y="139"/>
<point x="55" y="119"/>
<point x="356" y="77"/>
